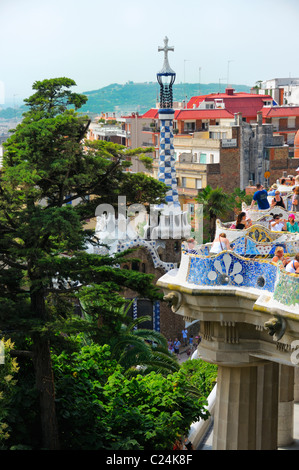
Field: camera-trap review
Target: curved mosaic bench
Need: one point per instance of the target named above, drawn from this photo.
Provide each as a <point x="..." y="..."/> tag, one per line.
<point x="228" y="268"/>
<point x="257" y="232"/>
<point x="287" y="289"/>
<point x="245" y="246"/>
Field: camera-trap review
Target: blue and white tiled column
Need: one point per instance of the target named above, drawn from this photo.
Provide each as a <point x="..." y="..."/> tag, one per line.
<point x="156" y="315"/>
<point x="167" y="172"/>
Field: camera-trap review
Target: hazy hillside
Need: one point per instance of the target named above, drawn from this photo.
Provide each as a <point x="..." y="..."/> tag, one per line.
<point x="132" y="97"/>
<point x="139" y="97"/>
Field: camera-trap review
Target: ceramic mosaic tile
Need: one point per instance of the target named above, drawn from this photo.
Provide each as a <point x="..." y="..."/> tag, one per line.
<point x="287" y="289"/>
<point x="227" y="268"/>
<point x="245" y="246"/>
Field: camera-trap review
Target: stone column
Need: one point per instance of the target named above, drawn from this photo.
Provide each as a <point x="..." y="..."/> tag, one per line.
<point x="296" y="386"/>
<point x="235" y="417"/>
<point x="267" y="406"/>
<point x="286" y="406"/>
<point x="246" y="409"/>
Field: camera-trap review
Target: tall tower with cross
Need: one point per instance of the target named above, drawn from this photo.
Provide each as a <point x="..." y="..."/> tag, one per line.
<point x="167" y="173"/>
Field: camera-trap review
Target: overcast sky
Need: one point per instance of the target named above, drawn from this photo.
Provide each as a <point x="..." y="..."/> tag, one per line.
<point x="99" y="42"/>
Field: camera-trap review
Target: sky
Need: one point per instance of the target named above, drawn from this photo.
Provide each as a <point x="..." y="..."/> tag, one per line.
<point x="99" y="42"/>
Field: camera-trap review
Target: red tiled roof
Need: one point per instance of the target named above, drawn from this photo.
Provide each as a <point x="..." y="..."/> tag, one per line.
<point x="248" y="104"/>
<point x="204" y="114"/>
<point x="280" y="111"/>
<point x="151" y="114"/>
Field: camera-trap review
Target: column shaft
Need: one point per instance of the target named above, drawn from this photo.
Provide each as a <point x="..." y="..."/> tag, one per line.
<point x="267" y="406"/>
<point x="235" y="421"/>
<point x="246" y="410"/>
<point x="286" y="405"/>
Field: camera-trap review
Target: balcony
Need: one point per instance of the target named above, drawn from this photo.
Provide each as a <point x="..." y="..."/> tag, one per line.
<point x="150" y="129"/>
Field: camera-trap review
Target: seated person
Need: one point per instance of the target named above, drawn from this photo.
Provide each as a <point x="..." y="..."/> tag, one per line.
<point x="292" y="226"/>
<point x="277" y="200"/>
<point x="279" y="256"/>
<point x="241" y="221"/>
<point x="220" y="243"/>
<point x="278" y="224"/>
<point x="293" y="266"/>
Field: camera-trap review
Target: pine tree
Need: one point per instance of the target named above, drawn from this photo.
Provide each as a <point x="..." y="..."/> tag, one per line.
<point x="43" y="262"/>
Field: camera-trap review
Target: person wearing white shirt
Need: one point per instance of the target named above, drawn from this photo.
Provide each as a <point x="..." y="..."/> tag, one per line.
<point x="278" y="224"/>
<point x="293" y="266"/>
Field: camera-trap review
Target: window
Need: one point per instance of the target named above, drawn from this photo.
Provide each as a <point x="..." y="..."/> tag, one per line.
<point x="203" y="158"/>
<point x="212" y="158"/>
<point x="135" y="265"/>
<point x="198" y="183"/>
<point x="184" y="180"/>
<point x="189" y="126"/>
<point x="191" y="209"/>
<point x="291" y="122"/>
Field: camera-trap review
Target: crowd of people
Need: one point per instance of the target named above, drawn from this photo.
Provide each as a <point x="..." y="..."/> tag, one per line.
<point x="260" y="197"/>
<point x="277" y="224"/>
<point x="188" y="343"/>
<point x="221" y="242"/>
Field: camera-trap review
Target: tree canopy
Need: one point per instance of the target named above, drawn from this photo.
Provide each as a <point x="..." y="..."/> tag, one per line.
<point x="52" y="180"/>
<point x="216" y="204"/>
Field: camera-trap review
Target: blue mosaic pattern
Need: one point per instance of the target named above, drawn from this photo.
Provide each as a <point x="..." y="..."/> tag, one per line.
<point x="167" y="172"/>
<point x="287" y="289"/>
<point x="245" y="246"/>
<point x="156" y="315"/>
<point x="151" y="246"/>
<point x="229" y="269"/>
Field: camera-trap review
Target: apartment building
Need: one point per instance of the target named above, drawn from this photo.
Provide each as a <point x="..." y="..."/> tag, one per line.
<point x="221" y="140"/>
<point x="285" y="91"/>
<point x="123" y="130"/>
<point x="285" y="122"/>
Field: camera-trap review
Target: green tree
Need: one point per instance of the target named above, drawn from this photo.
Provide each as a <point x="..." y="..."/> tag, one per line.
<point x="139" y="349"/>
<point x="8" y="370"/>
<point x="216" y="204"/>
<point x="238" y="197"/>
<point x="102" y="408"/>
<point x="47" y="165"/>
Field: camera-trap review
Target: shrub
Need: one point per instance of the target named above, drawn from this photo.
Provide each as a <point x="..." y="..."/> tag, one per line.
<point x="99" y="408"/>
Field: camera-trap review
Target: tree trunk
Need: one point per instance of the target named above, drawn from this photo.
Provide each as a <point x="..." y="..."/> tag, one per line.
<point x="44" y="378"/>
<point x="45" y="385"/>
<point x="212" y="227"/>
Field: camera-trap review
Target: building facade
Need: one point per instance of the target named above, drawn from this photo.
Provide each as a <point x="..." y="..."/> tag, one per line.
<point x="285" y="91"/>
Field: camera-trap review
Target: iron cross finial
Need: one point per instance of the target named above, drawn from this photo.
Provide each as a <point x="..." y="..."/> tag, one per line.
<point x="165" y="49"/>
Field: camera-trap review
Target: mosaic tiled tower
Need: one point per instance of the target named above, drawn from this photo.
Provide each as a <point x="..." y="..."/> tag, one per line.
<point x="167" y="173"/>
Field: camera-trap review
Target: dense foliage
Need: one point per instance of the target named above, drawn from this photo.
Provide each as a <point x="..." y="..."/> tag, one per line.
<point x="87" y="393"/>
<point x="52" y="180"/>
<point x="99" y="407"/>
<point x="8" y="370"/>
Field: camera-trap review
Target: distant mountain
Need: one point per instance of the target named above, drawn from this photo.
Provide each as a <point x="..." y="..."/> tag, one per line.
<point x="140" y="97"/>
<point x="132" y="97"/>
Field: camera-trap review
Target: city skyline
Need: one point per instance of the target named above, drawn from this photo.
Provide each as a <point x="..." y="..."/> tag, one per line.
<point x="225" y="42"/>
